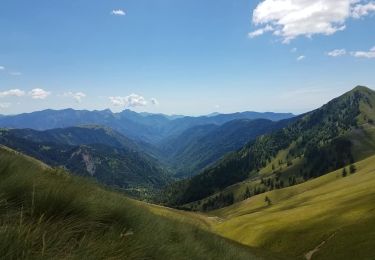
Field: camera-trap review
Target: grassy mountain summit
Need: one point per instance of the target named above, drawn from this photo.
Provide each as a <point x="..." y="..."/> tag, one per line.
<point x="320" y="141"/>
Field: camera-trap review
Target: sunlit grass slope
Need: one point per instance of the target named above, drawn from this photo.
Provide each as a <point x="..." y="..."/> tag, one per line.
<point x="48" y="214"/>
<point x="336" y="209"/>
<point x="363" y="146"/>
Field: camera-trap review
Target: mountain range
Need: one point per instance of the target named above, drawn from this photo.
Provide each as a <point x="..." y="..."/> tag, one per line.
<point x="159" y="138"/>
<point x="337" y="134"/>
<point x="300" y="187"/>
<point x="145" y="127"/>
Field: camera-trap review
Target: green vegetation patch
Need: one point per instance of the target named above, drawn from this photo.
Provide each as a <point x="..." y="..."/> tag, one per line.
<point x="47" y="213"/>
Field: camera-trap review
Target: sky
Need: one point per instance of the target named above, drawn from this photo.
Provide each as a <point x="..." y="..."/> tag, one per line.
<point x="183" y="57"/>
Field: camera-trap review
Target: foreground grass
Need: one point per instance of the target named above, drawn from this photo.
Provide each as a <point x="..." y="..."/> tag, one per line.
<point x="49" y="214"/>
<point x="334" y="212"/>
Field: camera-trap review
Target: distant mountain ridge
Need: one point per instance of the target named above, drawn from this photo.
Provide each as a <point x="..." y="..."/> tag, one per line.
<point x="75" y="138"/>
<point x="185" y="144"/>
<point x="83" y="135"/>
<point x="150" y="128"/>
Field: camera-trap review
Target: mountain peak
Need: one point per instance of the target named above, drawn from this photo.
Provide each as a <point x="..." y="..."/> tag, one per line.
<point x="355" y="106"/>
<point x="361" y="92"/>
<point x="366" y="97"/>
<point x="361" y="89"/>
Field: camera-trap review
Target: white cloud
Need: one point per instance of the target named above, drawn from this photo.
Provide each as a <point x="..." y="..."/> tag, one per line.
<point x="260" y="31"/>
<point x="363" y="9"/>
<point x="16" y="73"/>
<point x="293" y="50"/>
<point x="118" y="101"/>
<point x="293" y="18"/>
<point x="38" y="93"/>
<point x="2" y="68"/>
<point x="132" y="100"/>
<point x="77" y="96"/>
<point x="364" y="54"/>
<point x="12" y="93"/>
<point x="118" y="12"/>
<point x="337" y="53"/>
<point x="300" y="58"/>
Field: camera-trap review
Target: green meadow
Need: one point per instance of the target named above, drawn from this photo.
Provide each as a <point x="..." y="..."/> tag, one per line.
<point x="47" y="213"/>
<point x="331" y="215"/>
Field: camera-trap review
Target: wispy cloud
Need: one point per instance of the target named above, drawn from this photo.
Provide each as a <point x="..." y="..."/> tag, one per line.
<point x="15" y="73"/>
<point x="77" y="96"/>
<point x="118" y="12"/>
<point x="2" y="68"/>
<point x="12" y="93"/>
<point x="337" y="53"/>
<point x="260" y="31"/>
<point x="300" y="58"/>
<point x="364" y="54"/>
<point x="38" y="93"/>
<point x="361" y="10"/>
<point x="132" y="100"/>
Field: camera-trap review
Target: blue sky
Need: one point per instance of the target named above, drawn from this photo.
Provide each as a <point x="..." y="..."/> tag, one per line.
<point x="185" y="57"/>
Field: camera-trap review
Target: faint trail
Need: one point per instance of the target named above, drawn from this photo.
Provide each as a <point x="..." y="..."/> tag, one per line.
<point x="217" y="219"/>
<point x="310" y="254"/>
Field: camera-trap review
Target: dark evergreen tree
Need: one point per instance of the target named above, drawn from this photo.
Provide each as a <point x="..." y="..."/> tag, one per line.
<point x="352" y="169"/>
<point x="268" y="201"/>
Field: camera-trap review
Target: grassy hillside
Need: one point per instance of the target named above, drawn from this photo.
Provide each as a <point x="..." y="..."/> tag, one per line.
<point x="363" y="146"/>
<point x="337" y="134"/>
<point x="46" y="213"/>
<point x="332" y="208"/>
